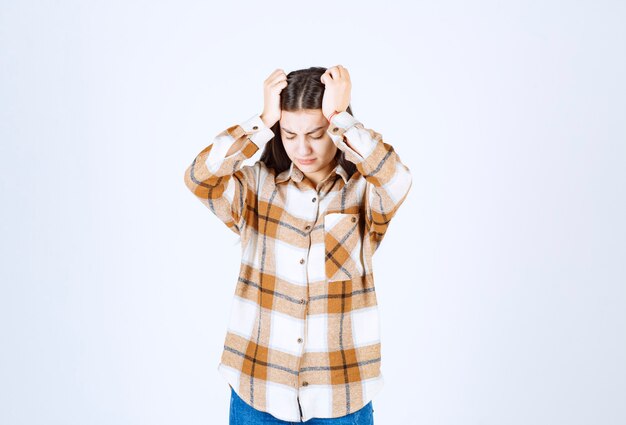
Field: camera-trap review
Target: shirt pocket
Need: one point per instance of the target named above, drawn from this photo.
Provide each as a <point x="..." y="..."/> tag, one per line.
<point x="342" y="246"/>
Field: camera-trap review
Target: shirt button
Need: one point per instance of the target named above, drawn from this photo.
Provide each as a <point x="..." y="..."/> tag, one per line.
<point x="305" y="383"/>
<point x="302" y="301"/>
<point x="299" y="339"/>
<point x="314" y="199"/>
<point x="256" y="127"/>
<point x="335" y="129"/>
<point x="353" y="219"/>
<point x="307" y="227"/>
<point x="301" y="260"/>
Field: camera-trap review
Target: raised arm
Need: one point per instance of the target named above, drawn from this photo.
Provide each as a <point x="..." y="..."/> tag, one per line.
<point x="216" y="176"/>
<point x="388" y="180"/>
<point x="218" y="179"/>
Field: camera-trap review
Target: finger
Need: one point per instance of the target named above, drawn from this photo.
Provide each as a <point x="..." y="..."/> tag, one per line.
<point x="344" y="72"/>
<point x="277" y="79"/>
<point x="334" y="72"/>
<point x="340" y="71"/>
<point x="345" y="75"/>
<point x="328" y="76"/>
<point x="276" y="72"/>
<point x="279" y="85"/>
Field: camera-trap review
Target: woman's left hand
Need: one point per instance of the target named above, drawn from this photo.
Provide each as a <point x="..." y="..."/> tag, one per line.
<point x="337" y="84"/>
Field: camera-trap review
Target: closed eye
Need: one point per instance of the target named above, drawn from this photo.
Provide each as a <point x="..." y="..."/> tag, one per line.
<point x="314" y="138"/>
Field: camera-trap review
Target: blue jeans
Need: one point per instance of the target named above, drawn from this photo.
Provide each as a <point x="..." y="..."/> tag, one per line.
<point x="241" y="413"/>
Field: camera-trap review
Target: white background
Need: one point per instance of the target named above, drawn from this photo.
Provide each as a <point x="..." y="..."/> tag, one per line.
<point x="501" y="281"/>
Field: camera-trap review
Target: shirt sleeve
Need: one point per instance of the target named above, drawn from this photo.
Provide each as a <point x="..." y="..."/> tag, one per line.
<point x="220" y="182"/>
<point x="388" y="180"/>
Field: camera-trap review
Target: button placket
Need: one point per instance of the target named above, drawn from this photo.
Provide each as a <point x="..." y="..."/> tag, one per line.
<point x="303" y="301"/>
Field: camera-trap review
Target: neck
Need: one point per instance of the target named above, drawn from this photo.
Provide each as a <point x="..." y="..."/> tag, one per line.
<point x="321" y="175"/>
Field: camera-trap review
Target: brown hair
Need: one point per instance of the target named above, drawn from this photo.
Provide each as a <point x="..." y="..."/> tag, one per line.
<point x="304" y="90"/>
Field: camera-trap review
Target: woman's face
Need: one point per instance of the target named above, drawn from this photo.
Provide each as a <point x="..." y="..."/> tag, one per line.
<point x="304" y="138"/>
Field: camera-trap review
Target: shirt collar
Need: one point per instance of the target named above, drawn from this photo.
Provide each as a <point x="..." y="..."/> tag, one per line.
<point x="297" y="175"/>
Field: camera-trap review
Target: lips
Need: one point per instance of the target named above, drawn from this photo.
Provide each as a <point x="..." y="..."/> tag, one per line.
<point x="306" y="161"/>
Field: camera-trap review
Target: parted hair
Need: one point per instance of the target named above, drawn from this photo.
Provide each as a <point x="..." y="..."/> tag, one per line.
<point x="304" y="90"/>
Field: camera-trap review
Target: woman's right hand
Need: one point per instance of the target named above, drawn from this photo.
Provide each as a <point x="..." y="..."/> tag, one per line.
<point x="272" y="86"/>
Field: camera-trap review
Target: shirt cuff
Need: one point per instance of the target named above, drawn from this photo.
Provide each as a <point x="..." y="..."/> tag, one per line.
<point x="344" y="123"/>
<point x="257" y="131"/>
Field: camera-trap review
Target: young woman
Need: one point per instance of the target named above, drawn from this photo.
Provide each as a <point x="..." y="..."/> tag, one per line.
<point x="303" y="340"/>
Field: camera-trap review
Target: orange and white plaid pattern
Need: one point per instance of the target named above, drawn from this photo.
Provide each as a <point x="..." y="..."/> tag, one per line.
<point x="303" y="338"/>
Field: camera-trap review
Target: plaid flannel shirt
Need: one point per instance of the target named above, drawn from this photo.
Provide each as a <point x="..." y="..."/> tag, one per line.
<point x="303" y="338"/>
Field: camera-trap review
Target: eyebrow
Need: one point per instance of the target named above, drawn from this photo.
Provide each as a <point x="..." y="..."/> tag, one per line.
<point x="312" y="131"/>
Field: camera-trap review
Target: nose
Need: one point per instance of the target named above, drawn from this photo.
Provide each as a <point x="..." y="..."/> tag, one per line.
<point x="303" y="148"/>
